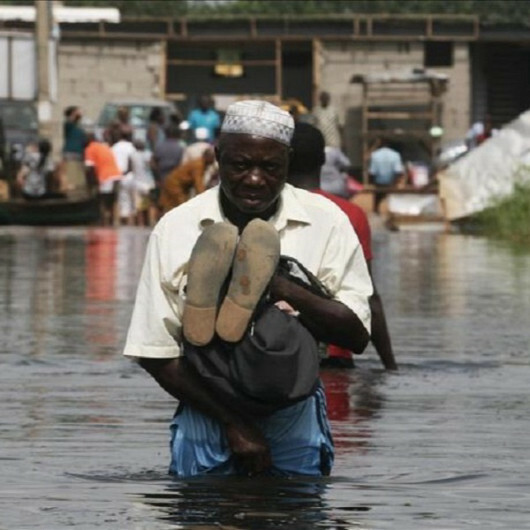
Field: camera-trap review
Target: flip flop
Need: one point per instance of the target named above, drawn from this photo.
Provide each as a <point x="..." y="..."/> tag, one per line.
<point x="209" y="265"/>
<point x="256" y="258"/>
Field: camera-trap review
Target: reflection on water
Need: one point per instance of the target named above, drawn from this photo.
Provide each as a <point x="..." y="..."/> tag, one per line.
<point x="244" y="503"/>
<point x="353" y="401"/>
<point x="442" y="444"/>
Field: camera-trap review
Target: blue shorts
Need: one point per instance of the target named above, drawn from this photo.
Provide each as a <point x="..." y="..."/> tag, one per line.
<point x="299" y="438"/>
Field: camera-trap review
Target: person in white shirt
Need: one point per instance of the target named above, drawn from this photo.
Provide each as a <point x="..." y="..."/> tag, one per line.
<point x="327" y="119"/>
<point x="144" y="181"/>
<point x="334" y="172"/>
<point x="207" y="435"/>
<point x="123" y="151"/>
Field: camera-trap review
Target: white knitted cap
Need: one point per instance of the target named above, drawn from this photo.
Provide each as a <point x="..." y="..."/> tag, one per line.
<point x="259" y="118"/>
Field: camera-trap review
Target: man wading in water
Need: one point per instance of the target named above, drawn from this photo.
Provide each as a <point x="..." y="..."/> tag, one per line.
<point x="239" y="225"/>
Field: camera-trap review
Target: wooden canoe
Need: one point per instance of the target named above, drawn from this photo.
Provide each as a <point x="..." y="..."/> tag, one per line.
<point x="49" y="212"/>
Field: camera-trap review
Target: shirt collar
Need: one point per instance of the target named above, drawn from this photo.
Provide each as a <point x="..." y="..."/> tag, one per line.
<point x="290" y="210"/>
<point x="211" y="209"/>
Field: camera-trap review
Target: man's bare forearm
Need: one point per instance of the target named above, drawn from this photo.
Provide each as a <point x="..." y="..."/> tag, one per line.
<point x="179" y="379"/>
<point x="380" y="334"/>
<point x="247" y="443"/>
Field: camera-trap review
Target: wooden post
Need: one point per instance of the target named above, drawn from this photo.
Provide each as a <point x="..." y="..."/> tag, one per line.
<point x="364" y="132"/>
<point x="279" y="66"/>
<point x="42" y="37"/>
<point x="163" y="69"/>
<point x="317" y="65"/>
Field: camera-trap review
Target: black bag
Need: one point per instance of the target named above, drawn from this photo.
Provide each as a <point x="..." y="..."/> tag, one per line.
<point x="275" y="365"/>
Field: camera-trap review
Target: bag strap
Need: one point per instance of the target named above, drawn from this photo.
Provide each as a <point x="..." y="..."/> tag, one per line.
<point x="310" y="282"/>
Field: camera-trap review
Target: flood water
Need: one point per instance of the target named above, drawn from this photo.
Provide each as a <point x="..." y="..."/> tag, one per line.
<point x="444" y="444"/>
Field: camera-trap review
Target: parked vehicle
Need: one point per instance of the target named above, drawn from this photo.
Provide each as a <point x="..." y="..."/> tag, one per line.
<point x="139" y="111"/>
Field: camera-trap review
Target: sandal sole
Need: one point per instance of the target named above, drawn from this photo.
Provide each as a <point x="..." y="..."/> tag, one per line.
<point x="209" y="264"/>
<point x="255" y="261"/>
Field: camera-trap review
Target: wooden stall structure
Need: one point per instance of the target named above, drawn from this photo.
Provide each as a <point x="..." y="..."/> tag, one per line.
<point x="405" y="108"/>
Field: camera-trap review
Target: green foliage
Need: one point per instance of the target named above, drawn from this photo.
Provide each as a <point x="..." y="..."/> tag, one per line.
<point x="490" y="11"/>
<point x="509" y="218"/>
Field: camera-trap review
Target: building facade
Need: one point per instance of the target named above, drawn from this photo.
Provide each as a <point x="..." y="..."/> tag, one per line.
<point x="289" y="58"/>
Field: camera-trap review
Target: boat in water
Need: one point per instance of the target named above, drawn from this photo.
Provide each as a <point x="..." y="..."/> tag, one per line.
<point x="77" y="205"/>
<point x="56" y="211"/>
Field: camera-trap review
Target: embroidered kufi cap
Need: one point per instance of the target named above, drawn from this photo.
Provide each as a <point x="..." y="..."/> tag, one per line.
<point x="259" y="118"/>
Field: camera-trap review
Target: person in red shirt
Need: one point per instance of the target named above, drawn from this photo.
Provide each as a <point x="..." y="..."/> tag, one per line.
<point x="307" y="158"/>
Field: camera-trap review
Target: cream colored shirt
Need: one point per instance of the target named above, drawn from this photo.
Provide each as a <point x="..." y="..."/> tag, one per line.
<point x="312" y="230"/>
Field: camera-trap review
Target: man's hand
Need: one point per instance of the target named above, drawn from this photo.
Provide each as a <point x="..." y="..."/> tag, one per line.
<point x="249" y="447"/>
<point x="282" y="305"/>
<point x="247" y="443"/>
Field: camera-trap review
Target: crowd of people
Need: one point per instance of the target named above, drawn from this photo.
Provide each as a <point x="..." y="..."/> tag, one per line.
<point x="138" y="174"/>
<point x="141" y="179"/>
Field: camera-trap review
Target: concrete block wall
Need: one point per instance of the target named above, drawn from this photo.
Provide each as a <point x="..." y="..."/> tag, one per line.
<point x="457" y="99"/>
<point x="339" y="61"/>
<point x="92" y="73"/>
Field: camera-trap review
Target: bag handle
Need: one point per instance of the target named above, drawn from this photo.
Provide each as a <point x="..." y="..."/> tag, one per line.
<point x="311" y="282"/>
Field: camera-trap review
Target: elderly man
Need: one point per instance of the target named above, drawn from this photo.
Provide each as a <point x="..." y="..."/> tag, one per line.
<point x="207" y="435"/>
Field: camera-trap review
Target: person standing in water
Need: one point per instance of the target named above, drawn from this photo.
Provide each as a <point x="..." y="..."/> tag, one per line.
<point x="252" y="203"/>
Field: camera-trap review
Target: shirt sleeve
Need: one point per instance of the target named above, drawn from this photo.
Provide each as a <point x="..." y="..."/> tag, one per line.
<point x="217" y="121"/>
<point x="398" y="165"/>
<point x="362" y="229"/>
<point x="155" y="325"/>
<point x="344" y="271"/>
<point x="89" y="156"/>
<point x="343" y="160"/>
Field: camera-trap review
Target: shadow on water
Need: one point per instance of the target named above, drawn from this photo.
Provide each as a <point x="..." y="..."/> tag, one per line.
<point x="240" y="503"/>
<point x="267" y="503"/>
<point x="246" y="503"/>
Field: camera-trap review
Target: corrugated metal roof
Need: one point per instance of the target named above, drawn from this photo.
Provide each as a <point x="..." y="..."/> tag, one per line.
<point x="62" y="14"/>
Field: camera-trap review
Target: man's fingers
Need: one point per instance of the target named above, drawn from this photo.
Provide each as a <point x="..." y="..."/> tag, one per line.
<point x="262" y="462"/>
<point x="254" y="464"/>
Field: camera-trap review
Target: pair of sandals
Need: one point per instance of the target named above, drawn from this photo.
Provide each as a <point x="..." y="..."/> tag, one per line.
<point x="248" y="261"/>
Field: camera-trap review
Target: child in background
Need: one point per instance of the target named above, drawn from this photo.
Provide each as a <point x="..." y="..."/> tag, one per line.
<point x="147" y="212"/>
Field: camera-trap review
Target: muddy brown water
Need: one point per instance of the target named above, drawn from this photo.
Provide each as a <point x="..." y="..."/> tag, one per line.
<point x="444" y="444"/>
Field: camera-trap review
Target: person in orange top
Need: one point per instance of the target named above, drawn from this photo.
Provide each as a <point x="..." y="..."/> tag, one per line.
<point x="178" y="185"/>
<point x="100" y="158"/>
